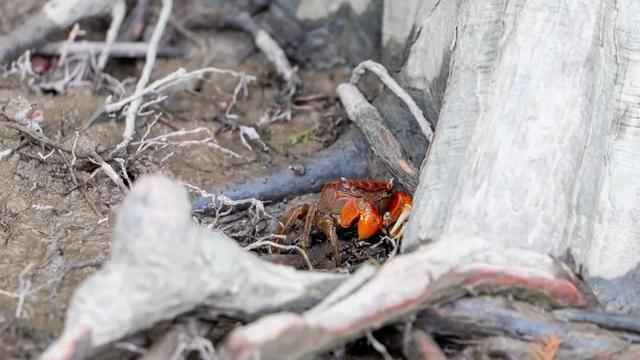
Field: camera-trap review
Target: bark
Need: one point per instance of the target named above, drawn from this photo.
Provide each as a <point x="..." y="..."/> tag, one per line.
<point x="535" y="134"/>
<point x="476" y="319"/>
<point x="612" y="253"/>
<point x="437" y="273"/>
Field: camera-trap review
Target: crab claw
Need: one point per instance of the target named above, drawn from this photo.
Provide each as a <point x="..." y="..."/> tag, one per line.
<point x="400" y="210"/>
<point x="369" y="219"/>
<point x="369" y="224"/>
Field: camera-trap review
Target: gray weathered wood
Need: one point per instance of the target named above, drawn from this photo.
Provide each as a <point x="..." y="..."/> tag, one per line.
<point x="518" y="113"/>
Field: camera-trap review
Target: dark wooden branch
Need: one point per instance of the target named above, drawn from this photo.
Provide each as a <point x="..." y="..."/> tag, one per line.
<point x="385" y="145"/>
<point x="471" y="320"/>
<point x="348" y="157"/>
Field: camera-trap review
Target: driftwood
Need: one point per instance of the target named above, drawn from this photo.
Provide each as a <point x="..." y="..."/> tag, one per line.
<point x="156" y="248"/>
<point x="471" y="321"/>
<point x="437" y="272"/>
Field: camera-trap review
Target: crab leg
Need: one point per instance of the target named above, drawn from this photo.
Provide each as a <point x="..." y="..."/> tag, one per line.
<point x="398" y="228"/>
<point x="400" y="211"/>
<point x="325" y="222"/>
<point x="289" y="219"/>
<point x="308" y="221"/>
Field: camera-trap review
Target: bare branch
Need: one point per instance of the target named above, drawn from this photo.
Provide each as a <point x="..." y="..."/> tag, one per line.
<point x="132" y="111"/>
<point x="386" y="79"/>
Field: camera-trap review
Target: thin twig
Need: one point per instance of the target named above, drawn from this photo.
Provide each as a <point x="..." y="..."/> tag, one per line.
<point x="75" y="31"/>
<point x="23" y="290"/>
<point x="117" y="16"/>
<point x="261" y="243"/>
<point x="71" y="267"/>
<point x="378" y="346"/>
<point x="132" y="111"/>
<point x="179" y="76"/>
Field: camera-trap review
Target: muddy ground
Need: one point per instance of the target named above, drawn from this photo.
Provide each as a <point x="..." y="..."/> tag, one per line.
<point x="48" y="225"/>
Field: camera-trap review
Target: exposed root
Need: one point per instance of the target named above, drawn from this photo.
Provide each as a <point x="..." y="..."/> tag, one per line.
<point x="262" y="243"/>
<point x="132" y="110"/>
<point x="160" y="85"/>
<point x="165" y="141"/>
<point x="155" y="242"/>
<point x="437" y="273"/>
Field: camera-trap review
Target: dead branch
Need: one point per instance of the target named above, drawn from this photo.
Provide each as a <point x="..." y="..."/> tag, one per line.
<point x="386" y="79"/>
<point x="165" y="141"/>
<point x="350" y="156"/>
<point x="119" y="49"/>
<point x="177" y="77"/>
<point x="133" y="27"/>
<point x="474" y="319"/>
<point x="132" y="110"/>
<point x="55" y="16"/>
<point x="622" y="322"/>
<point x="155" y="248"/>
<point x="437" y="272"/>
<point x="117" y="16"/>
<point x="242" y="20"/>
<point x="385" y="145"/>
<point x="90" y="154"/>
<point x="269" y="47"/>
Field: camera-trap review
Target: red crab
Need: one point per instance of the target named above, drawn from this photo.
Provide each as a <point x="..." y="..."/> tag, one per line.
<point x="343" y="202"/>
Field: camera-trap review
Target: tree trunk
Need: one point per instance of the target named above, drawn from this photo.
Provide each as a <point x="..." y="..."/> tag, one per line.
<point x="536" y="131"/>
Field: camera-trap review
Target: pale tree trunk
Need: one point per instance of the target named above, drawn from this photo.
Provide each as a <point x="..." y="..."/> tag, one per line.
<point x="536" y="136"/>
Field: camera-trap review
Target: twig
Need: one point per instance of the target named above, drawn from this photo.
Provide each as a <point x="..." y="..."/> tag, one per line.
<point x="24" y="289"/>
<point x="269" y="47"/>
<point x="132" y="111"/>
<point x="378" y="346"/>
<point x="384" y="144"/>
<point x="179" y="76"/>
<point x="64" y="48"/>
<point x="9" y="151"/>
<point x="71" y="267"/>
<point x="134" y="25"/>
<point x="261" y="243"/>
<point x="386" y="79"/>
<point x="9" y="294"/>
<point x="163" y="141"/>
<point x="72" y="172"/>
<point x="117" y="16"/>
<point x="119" y="49"/>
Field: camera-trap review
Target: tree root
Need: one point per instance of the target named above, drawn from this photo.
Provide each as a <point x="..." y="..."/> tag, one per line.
<point x="55" y="16"/>
<point x="155" y="249"/>
<point x="437" y="272"/>
<point x="477" y="319"/>
<point x="350" y="156"/>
